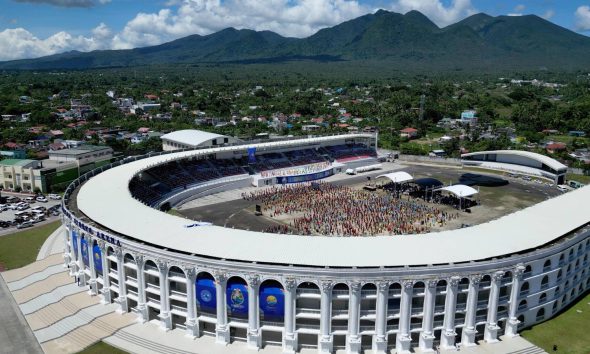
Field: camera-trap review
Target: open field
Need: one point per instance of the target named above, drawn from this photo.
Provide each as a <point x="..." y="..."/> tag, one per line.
<point x="21" y="248"/>
<point x="569" y="330"/>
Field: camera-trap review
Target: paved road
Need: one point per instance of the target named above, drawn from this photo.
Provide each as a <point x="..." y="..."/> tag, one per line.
<point x="15" y="334"/>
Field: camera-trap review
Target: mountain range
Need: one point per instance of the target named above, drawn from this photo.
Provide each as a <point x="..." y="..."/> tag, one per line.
<point x="411" y="40"/>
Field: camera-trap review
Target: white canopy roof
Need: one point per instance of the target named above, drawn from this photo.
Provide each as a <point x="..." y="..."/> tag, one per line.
<point x="460" y="190"/>
<point x="398" y="177"/>
<point x="191" y="137"/>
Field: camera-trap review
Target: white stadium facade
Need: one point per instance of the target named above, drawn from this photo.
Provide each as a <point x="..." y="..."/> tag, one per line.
<point x="382" y="293"/>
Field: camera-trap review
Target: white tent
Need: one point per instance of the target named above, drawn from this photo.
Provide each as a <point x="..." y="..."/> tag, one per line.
<point x="460" y="190"/>
<point x="398" y="177"/>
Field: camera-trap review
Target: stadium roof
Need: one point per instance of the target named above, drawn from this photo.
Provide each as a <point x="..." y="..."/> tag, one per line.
<point x="460" y="190"/>
<point x="554" y="164"/>
<point x="397" y="177"/>
<point x="190" y="137"/>
<point x="115" y="208"/>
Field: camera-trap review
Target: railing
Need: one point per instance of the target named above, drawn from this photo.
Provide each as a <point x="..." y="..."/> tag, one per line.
<point x="306" y="310"/>
<point x="368" y="292"/>
<point x="308" y="291"/>
<point x="546" y="269"/>
<point x="418" y="291"/>
<point x="395" y="292"/>
<point x="484" y="284"/>
<point x="415" y="325"/>
<point x="178" y="293"/>
<point x="481" y="318"/>
<point x="503" y="298"/>
<point x="540" y="318"/>
<point x="522" y="307"/>
<point x="438" y="323"/>
<point x="503" y="314"/>
<point x="393" y="327"/>
<point x="307" y="326"/>
<point x="416" y="311"/>
<point x="544" y="286"/>
<point x="273" y="324"/>
<point x="461" y="307"/>
<point x="440" y="289"/>
<point x="178" y="308"/>
<point x="340" y="292"/>
<point x="524" y="292"/>
<point x="505" y="281"/>
<point x="339" y="312"/>
<point x="439" y="308"/>
<point x="366" y="328"/>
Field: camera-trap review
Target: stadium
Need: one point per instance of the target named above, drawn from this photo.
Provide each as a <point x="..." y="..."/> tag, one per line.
<point x="325" y="291"/>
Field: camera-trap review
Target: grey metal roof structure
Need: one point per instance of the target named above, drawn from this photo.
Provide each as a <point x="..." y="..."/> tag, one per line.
<point x="554" y="164"/>
<point x="106" y="199"/>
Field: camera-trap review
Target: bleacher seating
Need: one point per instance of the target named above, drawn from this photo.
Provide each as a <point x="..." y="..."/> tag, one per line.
<point x="156" y="182"/>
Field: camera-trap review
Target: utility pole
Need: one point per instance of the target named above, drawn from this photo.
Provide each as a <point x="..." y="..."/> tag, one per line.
<point x="422" y="100"/>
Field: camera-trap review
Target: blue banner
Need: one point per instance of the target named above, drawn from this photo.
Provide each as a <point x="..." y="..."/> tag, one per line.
<point x="237" y="298"/>
<point x="304" y="178"/>
<point x="84" y="245"/>
<point x="97" y="255"/>
<point x="75" y="243"/>
<point x="251" y="155"/>
<point x="205" y="289"/>
<point x="272" y="302"/>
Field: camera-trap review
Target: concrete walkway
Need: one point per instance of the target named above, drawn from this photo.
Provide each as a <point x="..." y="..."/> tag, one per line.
<point x="58" y="314"/>
<point x="53" y="245"/>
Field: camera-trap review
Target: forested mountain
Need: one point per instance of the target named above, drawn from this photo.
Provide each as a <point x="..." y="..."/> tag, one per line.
<point x="410" y="42"/>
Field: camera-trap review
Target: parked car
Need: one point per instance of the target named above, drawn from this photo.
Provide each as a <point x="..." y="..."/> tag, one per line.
<point x="3" y="207"/>
<point x="23" y="207"/>
<point x="24" y="225"/>
<point x="42" y="199"/>
<point x="38" y="218"/>
<point x="13" y="206"/>
<point x="54" y="196"/>
<point x="30" y="200"/>
<point x="4" y="224"/>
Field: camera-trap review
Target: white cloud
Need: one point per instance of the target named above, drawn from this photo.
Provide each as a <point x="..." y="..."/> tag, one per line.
<point x="435" y="10"/>
<point x="514" y="14"/>
<point x="18" y="43"/>
<point x="179" y="18"/>
<point x="519" y="8"/>
<point x="548" y="14"/>
<point x="582" y="16"/>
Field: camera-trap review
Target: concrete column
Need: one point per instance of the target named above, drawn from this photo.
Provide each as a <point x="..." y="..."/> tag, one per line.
<point x="380" y="338"/>
<point x="512" y="323"/>
<point x="491" y="331"/>
<point x="447" y="340"/>
<point x="403" y="340"/>
<point x="427" y="336"/>
<point x="106" y="280"/>
<point x="122" y="299"/>
<point x="80" y="261"/>
<point x="221" y="328"/>
<point x="253" y="336"/>
<point x="290" y="336"/>
<point x="469" y="331"/>
<point x="354" y="308"/>
<point x="74" y="257"/>
<point x="326" y="340"/>
<point x="92" y="281"/>
<point x="165" y="316"/>
<point x="142" y="308"/>
<point x="67" y="248"/>
<point x="192" y="323"/>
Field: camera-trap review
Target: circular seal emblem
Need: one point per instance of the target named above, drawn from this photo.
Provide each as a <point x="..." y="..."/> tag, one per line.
<point x="271" y="300"/>
<point x="237" y="297"/>
<point x="97" y="256"/>
<point x="206" y="295"/>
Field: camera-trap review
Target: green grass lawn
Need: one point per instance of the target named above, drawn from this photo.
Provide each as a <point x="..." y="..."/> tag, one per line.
<point x="579" y="178"/>
<point x="569" y="330"/>
<point x="21" y="248"/>
<point x="102" y="348"/>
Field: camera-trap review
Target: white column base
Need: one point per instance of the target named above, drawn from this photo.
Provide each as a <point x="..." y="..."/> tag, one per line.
<point x="325" y="344"/>
<point x="93" y="287"/>
<point x="142" y="313"/>
<point x="447" y="340"/>
<point x="403" y="344"/>
<point x="290" y="343"/>
<point x="106" y="296"/>
<point x="379" y="345"/>
<point x="222" y="334"/>
<point x="192" y="328"/>
<point x="73" y="268"/>
<point x="512" y="328"/>
<point x="82" y="277"/>
<point x="468" y="338"/>
<point x="254" y="340"/>
<point x="123" y="306"/>
<point x="426" y="343"/>
<point x="353" y="345"/>
<point x="165" y="321"/>
<point x="491" y="333"/>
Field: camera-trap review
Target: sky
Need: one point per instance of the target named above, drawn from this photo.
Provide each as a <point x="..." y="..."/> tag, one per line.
<point x="35" y="28"/>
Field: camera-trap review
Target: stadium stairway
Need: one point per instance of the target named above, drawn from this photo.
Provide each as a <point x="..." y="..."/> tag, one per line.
<point x="530" y="350"/>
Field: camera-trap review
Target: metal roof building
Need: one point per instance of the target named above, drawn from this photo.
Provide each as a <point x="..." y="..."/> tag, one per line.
<point x="191" y="138"/>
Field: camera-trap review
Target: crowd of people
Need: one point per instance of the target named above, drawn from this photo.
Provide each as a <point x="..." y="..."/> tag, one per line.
<point x="302" y="170"/>
<point x="325" y="209"/>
